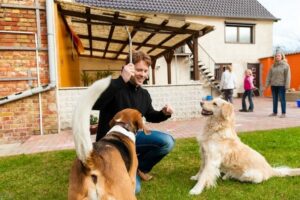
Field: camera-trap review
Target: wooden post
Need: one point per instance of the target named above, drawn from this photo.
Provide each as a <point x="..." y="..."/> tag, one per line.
<point x="195" y="52"/>
<point x="153" y="70"/>
<point x="168" y="56"/>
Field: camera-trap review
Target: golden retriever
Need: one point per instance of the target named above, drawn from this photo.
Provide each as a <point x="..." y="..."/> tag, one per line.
<point x="104" y="170"/>
<point x="223" y="152"/>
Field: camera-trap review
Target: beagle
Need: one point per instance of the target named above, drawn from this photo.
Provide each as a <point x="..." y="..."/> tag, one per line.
<point x="105" y="169"/>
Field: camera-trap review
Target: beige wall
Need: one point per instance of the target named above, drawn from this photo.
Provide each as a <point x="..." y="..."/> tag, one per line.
<point x="94" y="64"/>
<point x="214" y="44"/>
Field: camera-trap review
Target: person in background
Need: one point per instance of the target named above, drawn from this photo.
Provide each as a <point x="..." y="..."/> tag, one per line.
<point x="127" y="92"/>
<point x="279" y="78"/>
<point x="248" y="87"/>
<point x="227" y="83"/>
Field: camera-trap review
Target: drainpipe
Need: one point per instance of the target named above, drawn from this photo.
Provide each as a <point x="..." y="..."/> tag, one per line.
<point x="51" y="41"/>
<point x="52" y="54"/>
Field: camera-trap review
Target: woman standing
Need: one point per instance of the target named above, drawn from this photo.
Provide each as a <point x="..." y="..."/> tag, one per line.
<point x="227" y="83"/>
<point x="279" y="78"/>
<point x="248" y="87"/>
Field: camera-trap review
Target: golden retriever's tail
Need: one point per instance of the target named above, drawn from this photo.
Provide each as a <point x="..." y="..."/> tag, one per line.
<point x="286" y="171"/>
<point x="81" y="118"/>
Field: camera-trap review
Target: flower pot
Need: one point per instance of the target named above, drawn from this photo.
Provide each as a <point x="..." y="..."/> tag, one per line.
<point x="93" y="129"/>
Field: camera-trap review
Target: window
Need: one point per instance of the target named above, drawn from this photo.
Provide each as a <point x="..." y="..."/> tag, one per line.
<point x="239" y="33"/>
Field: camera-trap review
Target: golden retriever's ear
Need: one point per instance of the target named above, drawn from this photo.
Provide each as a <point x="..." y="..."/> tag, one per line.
<point x="227" y="111"/>
<point x="141" y="125"/>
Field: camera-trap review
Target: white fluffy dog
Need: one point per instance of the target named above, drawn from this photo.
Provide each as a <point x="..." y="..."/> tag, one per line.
<point x="223" y="152"/>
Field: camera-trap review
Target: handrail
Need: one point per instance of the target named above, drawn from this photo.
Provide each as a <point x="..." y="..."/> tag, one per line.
<point x="206" y="53"/>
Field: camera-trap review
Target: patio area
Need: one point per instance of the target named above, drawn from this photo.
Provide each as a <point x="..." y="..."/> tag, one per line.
<point x="257" y="120"/>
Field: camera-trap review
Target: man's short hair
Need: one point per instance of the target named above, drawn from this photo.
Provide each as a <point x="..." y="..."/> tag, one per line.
<point x="137" y="56"/>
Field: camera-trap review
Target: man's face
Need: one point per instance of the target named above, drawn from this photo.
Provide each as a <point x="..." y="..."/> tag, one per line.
<point x="141" y="73"/>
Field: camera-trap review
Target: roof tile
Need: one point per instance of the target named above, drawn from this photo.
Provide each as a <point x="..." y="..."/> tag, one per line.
<point x="219" y="8"/>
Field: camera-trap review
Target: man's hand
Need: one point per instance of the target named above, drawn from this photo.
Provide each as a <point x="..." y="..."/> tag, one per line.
<point x="167" y="110"/>
<point x="128" y="71"/>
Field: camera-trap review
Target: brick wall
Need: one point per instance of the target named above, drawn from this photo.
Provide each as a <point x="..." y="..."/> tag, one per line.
<point x="20" y="119"/>
<point x="185" y="100"/>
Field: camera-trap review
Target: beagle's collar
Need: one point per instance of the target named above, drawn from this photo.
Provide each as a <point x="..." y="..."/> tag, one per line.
<point x="124" y="131"/>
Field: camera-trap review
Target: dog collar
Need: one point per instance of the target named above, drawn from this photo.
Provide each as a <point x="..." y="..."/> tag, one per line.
<point x="120" y="129"/>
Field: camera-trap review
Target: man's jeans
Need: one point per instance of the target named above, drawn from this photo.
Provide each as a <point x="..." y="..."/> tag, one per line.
<point x="150" y="149"/>
<point x="278" y="91"/>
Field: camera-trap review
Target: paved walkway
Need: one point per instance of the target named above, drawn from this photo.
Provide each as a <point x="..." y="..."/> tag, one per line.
<point x="258" y="120"/>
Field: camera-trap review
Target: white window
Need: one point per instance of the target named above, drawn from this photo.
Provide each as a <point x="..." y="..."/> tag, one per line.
<point x="239" y="33"/>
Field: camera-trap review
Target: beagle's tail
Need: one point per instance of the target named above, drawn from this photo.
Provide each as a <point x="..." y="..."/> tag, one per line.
<point x="81" y="118"/>
<point x="286" y="171"/>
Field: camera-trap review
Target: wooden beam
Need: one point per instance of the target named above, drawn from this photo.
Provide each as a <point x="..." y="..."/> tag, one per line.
<point x="174" y="47"/>
<point x="122" y="41"/>
<point x="151" y="35"/>
<point x="168" y="38"/>
<point x="102" y="50"/>
<point x="190" y="44"/>
<point x="127" y="41"/>
<point x="111" y="31"/>
<point x="100" y="57"/>
<point x="127" y="22"/>
<point x="88" y="12"/>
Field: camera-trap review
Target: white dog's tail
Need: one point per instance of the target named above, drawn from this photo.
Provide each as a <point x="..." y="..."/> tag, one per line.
<point x="286" y="171"/>
<point x="81" y="118"/>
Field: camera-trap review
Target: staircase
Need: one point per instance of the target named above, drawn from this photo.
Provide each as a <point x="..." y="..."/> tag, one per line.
<point x="208" y="77"/>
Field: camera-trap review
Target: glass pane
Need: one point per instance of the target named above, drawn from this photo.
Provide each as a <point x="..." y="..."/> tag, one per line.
<point x="231" y="34"/>
<point x="245" y="35"/>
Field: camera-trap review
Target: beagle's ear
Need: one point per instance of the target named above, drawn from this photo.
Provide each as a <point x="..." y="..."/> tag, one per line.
<point x="114" y="120"/>
<point x="141" y="125"/>
<point x="227" y="111"/>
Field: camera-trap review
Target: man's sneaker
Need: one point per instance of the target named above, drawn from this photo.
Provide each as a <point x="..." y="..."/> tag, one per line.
<point x="144" y="176"/>
<point x="273" y="115"/>
<point x="243" y="110"/>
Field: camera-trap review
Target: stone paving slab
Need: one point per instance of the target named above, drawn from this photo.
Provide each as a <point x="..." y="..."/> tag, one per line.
<point x="257" y="120"/>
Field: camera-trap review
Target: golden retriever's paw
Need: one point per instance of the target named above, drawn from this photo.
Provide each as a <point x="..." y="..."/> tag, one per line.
<point x="195" y="191"/>
<point x="225" y="177"/>
<point x="194" y="178"/>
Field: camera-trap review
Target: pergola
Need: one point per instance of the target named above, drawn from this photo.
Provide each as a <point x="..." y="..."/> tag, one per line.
<point x="103" y="35"/>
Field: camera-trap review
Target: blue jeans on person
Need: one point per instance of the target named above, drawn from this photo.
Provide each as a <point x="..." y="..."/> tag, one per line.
<point x="278" y="91"/>
<point x="150" y="149"/>
<point x="247" y="93"/>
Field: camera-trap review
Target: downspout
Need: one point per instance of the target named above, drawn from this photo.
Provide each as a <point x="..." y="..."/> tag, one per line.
<point x="51" y="41"/>
<point x="52" y="54"/>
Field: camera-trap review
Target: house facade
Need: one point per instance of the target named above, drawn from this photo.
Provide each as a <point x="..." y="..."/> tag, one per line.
<point x="42" y="71"/>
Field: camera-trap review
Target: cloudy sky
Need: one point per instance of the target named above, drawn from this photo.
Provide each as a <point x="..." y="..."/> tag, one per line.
<point x="287" y="30"/>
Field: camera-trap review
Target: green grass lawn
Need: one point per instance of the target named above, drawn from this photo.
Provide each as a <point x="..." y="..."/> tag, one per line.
<point x="45" y="175"/>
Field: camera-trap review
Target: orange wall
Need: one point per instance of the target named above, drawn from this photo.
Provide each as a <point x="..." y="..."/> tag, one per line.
<point x="68" y="60"/>
<point x="294" y="62"/>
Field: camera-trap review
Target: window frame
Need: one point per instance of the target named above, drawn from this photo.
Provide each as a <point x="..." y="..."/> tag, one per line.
<point x="238" y="26"/>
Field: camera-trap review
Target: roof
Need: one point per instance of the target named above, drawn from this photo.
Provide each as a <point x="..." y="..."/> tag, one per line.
<point x="213" y="8"/>
<point x="103" y="34"/>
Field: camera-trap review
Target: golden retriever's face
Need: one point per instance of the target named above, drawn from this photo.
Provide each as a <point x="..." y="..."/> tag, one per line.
<point x="217" y="108"/>
<point x="132" y="118"/>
